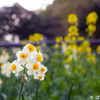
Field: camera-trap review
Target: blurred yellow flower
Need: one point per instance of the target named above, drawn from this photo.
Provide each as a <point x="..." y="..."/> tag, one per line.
<point x="93" y="57"/>
<point x="36" y="37"/>
<point x="74" y="46"/>
<point x="56" y="45"/>
<point x="69" y="47"/>
<point x="58" y="39"/>
<point x="24" y="42"/>
<point x="91" y="27"/>
<point x="88" y="49"/>
<point x="79" y="67"/>
<point x="39" y="48"/>
<point x="67" y="52"/>
<point x="80" y="38"/>
<point x="73" y="29"/>
<point x="86" y="43"/>
<point x="68" y="60"/>
<point x="76" y="34"/>
<point x="90" y="33"/>
<point x="92" y="18"/>
<point x="75" y="71"/>
<point x="73" y="34"/>
<point x="73" y="39"/>
<point x="88" y="56"/>
<point x="67" y="38"/>
<point x="72" y="18"/>
<point x="63" y="43"/>
<point x="70" y="34"/>
<point x="80" y="49"/>
<point x="98" y="49"/>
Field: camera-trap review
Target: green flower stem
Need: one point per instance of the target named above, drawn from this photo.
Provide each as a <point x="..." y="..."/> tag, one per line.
<point x="22" y="83"/>
<point x="37" y="90"/>
<point x="21" y="89"/>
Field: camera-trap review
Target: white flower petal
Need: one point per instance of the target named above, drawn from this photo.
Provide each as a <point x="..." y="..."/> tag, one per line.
<point x="30" y="72"/>
<point x="29" y="66"/>
<point x="18" y="53"/>
<point x="16" y="73"/>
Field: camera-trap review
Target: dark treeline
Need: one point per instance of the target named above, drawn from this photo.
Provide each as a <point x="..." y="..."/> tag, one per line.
<point x="51" y="22"/>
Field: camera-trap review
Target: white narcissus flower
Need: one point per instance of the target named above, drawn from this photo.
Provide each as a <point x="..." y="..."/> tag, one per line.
<point x="23" y="57"/>
<point x="4" y="57"/>
<point x="42" y="69"/>
<point x="39" y="76"/>
<point x="16" y="67"/>
<point x="32" y="68"/>
<point x="5" y="69"/>
<point x="37" y="57"/>
<point x="31" y="59"/>
<point x="29" y="48"/>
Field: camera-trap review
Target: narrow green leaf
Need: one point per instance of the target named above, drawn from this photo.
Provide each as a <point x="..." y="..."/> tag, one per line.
<point x="22" y="96"/>
<point x="68" y="98"/>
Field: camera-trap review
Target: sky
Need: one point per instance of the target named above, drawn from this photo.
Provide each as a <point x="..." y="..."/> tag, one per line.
<point x="28" y="4"/>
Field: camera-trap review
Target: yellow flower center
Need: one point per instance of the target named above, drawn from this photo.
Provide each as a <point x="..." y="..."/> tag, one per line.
<point x="40" y="77"/>
<point x="13" y="67"/>
<point x="2" y="65"/>
<point x="42" y="69"/>
<point x="0" y="80"/>
<point x="35" y="66"/>
<point x="39" y="58"/>
<point x="31" y="48"/>
<point x="23" y="56"/>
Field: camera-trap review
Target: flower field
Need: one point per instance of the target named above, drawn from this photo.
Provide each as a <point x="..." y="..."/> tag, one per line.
<point x="72" y="60"/>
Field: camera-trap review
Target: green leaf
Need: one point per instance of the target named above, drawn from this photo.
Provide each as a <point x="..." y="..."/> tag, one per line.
<point x="70" y="91"/>
<point x="22" y="96"/>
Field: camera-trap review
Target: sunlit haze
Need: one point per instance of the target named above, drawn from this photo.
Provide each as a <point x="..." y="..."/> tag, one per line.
<point x="28" y="4"/>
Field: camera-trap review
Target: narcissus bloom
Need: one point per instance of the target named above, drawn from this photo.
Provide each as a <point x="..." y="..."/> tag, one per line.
<point x="29" y="59"/>
<point x="42" y="69"/>
<point x="4" y="57"/>
<point x="23" y="57"/>
<point x="29" y="48"/>
<point x="39" y="76"/>
<point x="36" y="57"/>
<point x="16" y="67"/>
<point x="5" y="69"/>
<point x="32" y="67"/>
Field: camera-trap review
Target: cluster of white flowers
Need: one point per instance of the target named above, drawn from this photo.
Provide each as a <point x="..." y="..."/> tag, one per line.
<point x="5" y="70"/>
<point x="31" y="60"/>
<point x="0" y="82"/>
<point x="4" y="57"/>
